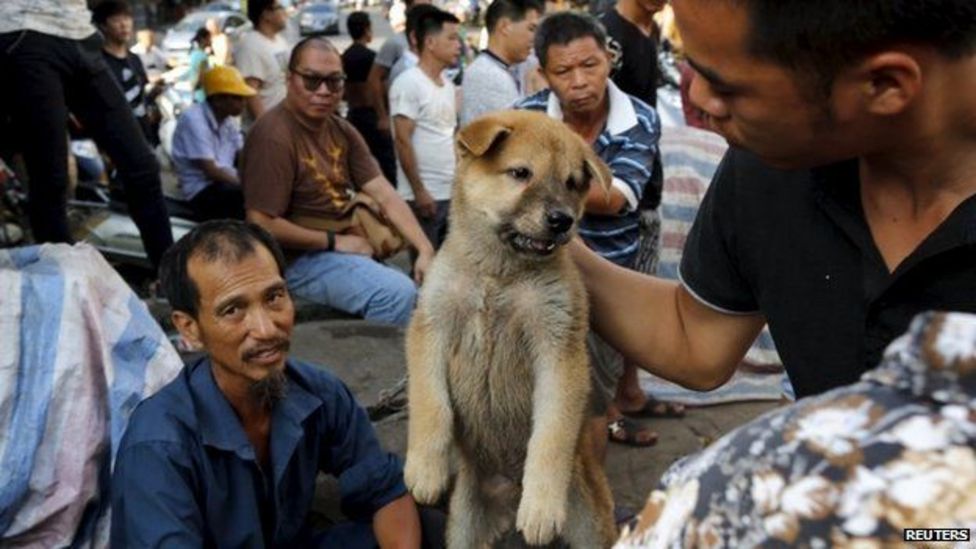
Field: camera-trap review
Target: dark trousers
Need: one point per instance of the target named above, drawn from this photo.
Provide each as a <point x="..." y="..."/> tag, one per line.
<point x="218" y="201"/>
<point x="380" y="143"/>
<point x="46" y="77"/>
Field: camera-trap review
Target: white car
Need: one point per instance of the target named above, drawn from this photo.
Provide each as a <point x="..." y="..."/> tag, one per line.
<point x="177" y="42"/>
<point x="319" y="18"/>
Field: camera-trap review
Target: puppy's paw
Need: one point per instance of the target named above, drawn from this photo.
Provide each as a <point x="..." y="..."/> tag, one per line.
<point x="426" y="477"/>
<point x="539" y="519"/>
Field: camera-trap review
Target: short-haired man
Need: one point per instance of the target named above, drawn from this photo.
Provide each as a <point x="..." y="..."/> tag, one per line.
<point x="424" y="108"/>
<point x="114" y="19"/>
<point x="411" y="55"/>
<point x="227" y="454"/>
<point x="845" y="205"/>
<point x="262" y="55"/>
<point x="357" y="61"/>
<point x="493" y="82"/>
<point x="303" y="160"/>
<point x="624" y="133"/>
<point x="206" y="143"/>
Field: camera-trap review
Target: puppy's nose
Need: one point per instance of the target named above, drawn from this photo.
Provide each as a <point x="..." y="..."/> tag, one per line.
<point x="559" y="222"/>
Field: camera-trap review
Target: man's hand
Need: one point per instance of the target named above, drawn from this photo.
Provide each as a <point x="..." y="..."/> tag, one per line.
<point x="421" y="266"/>
<point x="353" y="244"/>
<point x="425" y="204"/>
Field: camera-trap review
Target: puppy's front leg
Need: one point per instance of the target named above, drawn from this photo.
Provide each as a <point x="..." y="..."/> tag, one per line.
<point x="558" y="405"/>
<point x="430" y="427"/>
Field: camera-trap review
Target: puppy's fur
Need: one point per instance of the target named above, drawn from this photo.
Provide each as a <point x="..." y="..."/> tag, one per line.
<point x="498" y="368"/>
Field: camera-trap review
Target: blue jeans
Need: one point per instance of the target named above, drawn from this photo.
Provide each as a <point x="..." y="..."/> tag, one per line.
<point x="355" y="284"/>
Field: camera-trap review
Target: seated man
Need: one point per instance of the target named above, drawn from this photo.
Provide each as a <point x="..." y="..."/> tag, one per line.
<point x="205" y="146"/>
<point x="301" y="161"/>
<point x="624" y="132"/>
<point x="226" y="455"/>
<point x="855" y="467"/>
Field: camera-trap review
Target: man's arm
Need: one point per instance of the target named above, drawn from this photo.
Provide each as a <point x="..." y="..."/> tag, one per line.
<point x="397" y="524"/>
<point x="661" y="326"/>
<point x="215" y="173"/>
<point x="296" y="237"/>
<point x="157" y="509"/>
<point x="600" y="202"/>
<point x="376" y="82"/>
<point x="255" y="105"/>
<point x="403" y="128"/>
<point x="396" y="209"/>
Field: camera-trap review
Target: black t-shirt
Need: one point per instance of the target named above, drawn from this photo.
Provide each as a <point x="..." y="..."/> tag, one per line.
<point x="795" y="246"/>
<point x="356" y="62"/>
<point x="635" y="58"/>
<point x="131" y="76"/>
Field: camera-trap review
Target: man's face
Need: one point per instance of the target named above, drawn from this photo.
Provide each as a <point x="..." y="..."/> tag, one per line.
<point x="244" y="316"/>
<point x="118" y="28"/>
<point x="444" y="46"/>
<point x="315" y="63"/>
<point x="754" y="103"/>
<point x="225" y="105"/>
<point x="519" y="36"/>
<point x="276" y="17"/>
<point x="578" y="73"/>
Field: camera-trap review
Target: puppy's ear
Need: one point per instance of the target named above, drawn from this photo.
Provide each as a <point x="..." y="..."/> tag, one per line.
<point x="598" y="171"/>
<point x="480" y="136"/>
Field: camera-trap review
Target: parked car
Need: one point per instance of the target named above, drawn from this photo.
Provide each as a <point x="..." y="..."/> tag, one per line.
<point x="231" y="5"/>
<point x="176" y="43"/>
<point x="319" y="18"/>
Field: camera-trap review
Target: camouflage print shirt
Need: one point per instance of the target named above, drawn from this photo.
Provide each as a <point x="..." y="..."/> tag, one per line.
<point x="855" y="466"/>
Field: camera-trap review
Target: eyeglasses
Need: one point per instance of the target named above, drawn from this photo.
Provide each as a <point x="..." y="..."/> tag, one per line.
<point x="334" y="82"/>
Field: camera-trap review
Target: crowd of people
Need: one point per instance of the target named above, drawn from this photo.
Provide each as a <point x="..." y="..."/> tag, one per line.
<point x="843" y="209"/>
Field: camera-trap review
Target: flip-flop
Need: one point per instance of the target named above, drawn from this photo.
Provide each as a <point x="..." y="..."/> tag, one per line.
<point x="625" y="430"/>
<point x="657" y="408"/>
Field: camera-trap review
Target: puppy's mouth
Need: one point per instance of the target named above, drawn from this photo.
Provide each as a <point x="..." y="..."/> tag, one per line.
<point x="525" y="244"/>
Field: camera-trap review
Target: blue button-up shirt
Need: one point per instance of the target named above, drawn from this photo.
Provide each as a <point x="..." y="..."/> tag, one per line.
<point x="187" y="475"/>
<point x="199" y="137"/>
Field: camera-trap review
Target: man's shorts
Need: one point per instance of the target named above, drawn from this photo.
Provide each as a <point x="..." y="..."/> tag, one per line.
<point x="606" y="367"/>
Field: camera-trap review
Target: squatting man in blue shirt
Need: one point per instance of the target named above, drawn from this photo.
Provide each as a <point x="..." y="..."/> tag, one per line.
<point x="226" y="455"/>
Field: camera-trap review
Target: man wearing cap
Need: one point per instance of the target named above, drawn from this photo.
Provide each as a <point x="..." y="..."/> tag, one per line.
<point x="205" y="146"/>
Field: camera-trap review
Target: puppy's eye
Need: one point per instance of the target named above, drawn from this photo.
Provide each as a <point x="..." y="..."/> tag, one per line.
<point x="521" y="174"/>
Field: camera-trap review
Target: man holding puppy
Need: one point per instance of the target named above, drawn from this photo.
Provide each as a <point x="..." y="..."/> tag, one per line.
<point x="303" y="162"/>
<point x="845" y="205"/>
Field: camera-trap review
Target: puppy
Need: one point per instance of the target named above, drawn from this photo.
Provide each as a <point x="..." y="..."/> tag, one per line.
<point x="497" y="363"/>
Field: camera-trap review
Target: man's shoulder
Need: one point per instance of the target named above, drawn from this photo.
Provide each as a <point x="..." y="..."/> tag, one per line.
<point x="538" y="101"/>
<point x="168" y="416"/>
<point x="483" y="71"/>
<point x="275" y="124"/>
<point x="317" y="379"/>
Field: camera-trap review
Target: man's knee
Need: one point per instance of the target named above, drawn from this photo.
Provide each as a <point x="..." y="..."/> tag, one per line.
<point x="394" y="300"/>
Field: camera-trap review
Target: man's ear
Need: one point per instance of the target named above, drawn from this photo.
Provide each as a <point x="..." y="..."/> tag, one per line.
<point x="188" y="328"/>
<point x="889" y="82"/>
<point x="478" y="137"/>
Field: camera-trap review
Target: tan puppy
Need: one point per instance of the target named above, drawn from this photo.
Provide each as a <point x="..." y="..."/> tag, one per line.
<point x="497" y="363"/>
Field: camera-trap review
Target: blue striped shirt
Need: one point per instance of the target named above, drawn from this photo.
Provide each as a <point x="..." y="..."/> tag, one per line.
<point x="628" y="144"/>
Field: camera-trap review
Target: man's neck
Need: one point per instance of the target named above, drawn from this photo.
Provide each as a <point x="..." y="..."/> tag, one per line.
<point x="589" y="124"/>
<point x="218" y="116"/>
<point x="235" y="390"/>
<point x="632" y="11"/>
<point x="432" y="68"/>
<point x="496" y="49"/>
<point x="269" y="32"/>
<point x="116" y="49"/>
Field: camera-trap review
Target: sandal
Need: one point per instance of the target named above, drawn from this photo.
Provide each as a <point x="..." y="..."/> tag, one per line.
<point x="657" y="408"/>
<point x="627" y="431"/>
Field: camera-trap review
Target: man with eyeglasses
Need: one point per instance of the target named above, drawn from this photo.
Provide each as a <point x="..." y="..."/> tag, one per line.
<point x="262" y="56"/>
<point x="302" y="160"/>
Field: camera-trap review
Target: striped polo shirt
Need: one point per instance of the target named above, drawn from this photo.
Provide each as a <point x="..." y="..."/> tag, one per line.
<point x="628" y="144"/>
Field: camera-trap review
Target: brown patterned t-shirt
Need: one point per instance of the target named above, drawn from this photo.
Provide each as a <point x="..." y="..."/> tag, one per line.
<point x="293" y="168"/>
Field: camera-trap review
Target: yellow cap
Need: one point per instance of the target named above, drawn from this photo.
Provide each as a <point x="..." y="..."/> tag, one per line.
<point x="225" y="80"/>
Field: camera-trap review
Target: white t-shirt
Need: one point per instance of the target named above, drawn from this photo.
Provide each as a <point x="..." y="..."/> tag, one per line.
<point x="63" y="18"/>
<point x="488" y="86"/>
<point x="434" y="111"/>
<point x="258" y="56"/>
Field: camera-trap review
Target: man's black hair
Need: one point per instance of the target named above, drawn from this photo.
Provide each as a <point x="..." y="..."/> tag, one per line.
<point x="317" y="42"/>
<point x="255" y="8"/>
<point x="413" y="17"/>
<point x="562" y="28"/>
<point x="110" y="8"/>
<point x="432" y="24"/>
<point x="358" y="23"/>
<point x="821" y="38"/>
<point x="513" y="10"/>
<point x="220" y="240"/>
